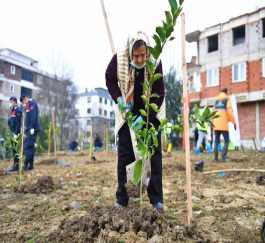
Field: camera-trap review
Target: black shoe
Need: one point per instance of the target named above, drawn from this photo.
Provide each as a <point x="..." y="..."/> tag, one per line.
<point x="199" y="165"/>
<point x="13" y="168"/>
<point x="28" y="166"/>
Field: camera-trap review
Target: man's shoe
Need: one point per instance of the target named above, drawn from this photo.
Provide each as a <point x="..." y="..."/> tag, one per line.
<point x="13" y="168"/>
<point x="159" y="207"/>
<point x="199" y="165"/>
<point x="118" y="206"/>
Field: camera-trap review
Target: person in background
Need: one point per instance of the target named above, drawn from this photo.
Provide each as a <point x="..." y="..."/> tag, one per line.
<point x="14" y="124"/>
<point x="202" y="135"/>
<point x="32" y="126"/>
<point x="225" y="115"/>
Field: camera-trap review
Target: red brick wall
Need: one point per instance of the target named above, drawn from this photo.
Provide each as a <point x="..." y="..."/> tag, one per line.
<point x="262" y="119"/>
<point x="225" y="77"/>
<point x="255" y="81"/>
<point x="247" y="120"/>
<point x="7" y="73"/>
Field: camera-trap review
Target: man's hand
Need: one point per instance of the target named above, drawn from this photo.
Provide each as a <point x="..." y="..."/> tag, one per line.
<point x="138" y="123"/>
<point x="32" y="131"/>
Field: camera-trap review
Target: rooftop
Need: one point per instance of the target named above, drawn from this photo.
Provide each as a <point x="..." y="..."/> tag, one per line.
<point x="194" y="36"/>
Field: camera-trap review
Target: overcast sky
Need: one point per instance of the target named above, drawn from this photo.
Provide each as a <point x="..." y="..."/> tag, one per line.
<point x="72" y="32"/>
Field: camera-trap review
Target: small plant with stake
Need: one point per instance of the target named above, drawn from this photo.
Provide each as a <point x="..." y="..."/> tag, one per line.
<point x="146" y="134"/>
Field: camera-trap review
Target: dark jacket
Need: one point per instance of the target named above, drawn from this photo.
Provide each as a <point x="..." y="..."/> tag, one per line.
<point x="32" y="116"/>
<point x="14" y="119"/>
<point x="115" y="92"/>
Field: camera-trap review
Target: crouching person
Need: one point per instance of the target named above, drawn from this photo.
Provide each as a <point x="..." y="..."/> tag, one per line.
<point x="125" y="75"/>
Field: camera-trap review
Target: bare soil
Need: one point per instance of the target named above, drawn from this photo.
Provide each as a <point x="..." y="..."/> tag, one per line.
<point x="72" y="201"/>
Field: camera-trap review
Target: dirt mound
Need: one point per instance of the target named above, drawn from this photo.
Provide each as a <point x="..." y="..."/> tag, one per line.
<point x="48" y="161"/>
<point x="174" y="167"/>
<point x="112" y="225"/>
<point x="44" y="184"/>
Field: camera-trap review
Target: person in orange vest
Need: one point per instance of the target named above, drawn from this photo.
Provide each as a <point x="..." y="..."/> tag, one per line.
<point x="225" y="115"/>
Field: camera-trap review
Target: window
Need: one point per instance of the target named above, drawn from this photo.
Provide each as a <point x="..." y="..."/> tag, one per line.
<point x="239" y="34"/>
<point x="213" y="77"/>
<point x="106" y="101"/>
<point x="263" y="67"/>
<point x="196" y="81"/>
<point x="27" y="75"/>
<point x="12" y="70"/>
<point x="26" y="91"/>
<point x="112" y="114"/>
<point x="105" y="113"/>
<point x="100" y="111"/>
<point x="213" y="43"/>
<point x="88" y="99"/>
<point x="12" y="88"/>
<point x="100" y="99"/>
<point x="88" y="122"/>
<point x="239" y="72"/>
<point x="88" y="111"/>
<point x="263" y="27"/>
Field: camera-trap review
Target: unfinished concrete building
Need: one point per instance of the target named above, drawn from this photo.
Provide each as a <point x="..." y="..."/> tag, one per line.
<point x="232" y="55"/>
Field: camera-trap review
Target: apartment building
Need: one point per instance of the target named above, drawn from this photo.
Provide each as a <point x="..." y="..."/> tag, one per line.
<point x="96" y="113"/>
<point x="232" y="55"/>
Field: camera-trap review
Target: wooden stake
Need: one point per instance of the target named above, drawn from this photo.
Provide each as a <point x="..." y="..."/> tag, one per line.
<point x="186" y="121"/>
<point x="54" y="133"/>
<point x="91" y="142"/>
<point x="49" y="139"/>
<point x="107" y="26"/>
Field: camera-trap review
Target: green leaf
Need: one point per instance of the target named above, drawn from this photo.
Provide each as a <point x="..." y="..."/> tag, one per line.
<point x="154" y="107"/>
<point x="144" y="98"/>
<point x="173" y="4"/>
<point x="150" y="66"/>
<point x="137" y="172"/>
<point x="175" y="14"/>
<point x="154" y="95"/>
<point x="145" y="87"/>
<point x="157" y="41"/>
<point x="169" y="17"/>
<point x="154" y="52"/>
<point x="157" y="76"/>
<point x="143" y="112"/>
<point x="161" y="32"/>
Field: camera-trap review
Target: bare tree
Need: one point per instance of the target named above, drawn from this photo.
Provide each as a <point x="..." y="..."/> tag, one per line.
<point x="58" y="92"/>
